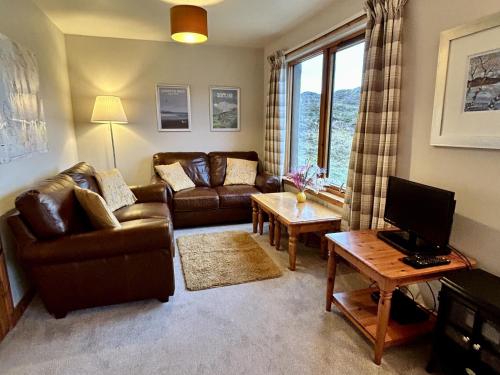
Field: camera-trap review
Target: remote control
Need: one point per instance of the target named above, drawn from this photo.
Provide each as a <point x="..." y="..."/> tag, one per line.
<point x="424" y="261"/>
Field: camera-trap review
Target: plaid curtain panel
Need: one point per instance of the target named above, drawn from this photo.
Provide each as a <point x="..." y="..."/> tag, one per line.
<point x="274" y="145"/>
<point x="373" y="155"/>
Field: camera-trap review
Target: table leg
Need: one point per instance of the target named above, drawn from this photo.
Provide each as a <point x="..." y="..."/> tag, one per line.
<point x="292" y="247"/>
<point x="261" y="221"/>
<point x="254" y="216"/>
<point x="271" y="229"/>
<point x="332" y="269"/>
<point x="324" y="246"/>
<point x="384" y="309"/>
<point x="277" y="234"/>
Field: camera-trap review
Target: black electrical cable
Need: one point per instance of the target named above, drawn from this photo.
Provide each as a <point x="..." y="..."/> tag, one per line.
<point x="463" y="257"/>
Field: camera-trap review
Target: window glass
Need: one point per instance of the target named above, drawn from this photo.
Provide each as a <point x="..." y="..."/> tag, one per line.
<point x="347" y="75"/>
<point x="306" y="103"/>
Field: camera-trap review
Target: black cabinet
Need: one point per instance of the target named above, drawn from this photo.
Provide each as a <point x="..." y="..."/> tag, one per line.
<point x="467" y="335"/>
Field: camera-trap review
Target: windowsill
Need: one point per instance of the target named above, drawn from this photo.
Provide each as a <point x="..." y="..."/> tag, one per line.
<point x="335" y="199"/>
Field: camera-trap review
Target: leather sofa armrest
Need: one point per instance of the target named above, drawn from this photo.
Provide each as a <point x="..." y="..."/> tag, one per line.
<point x="267" y="183"/>
<point x="137" y="236"/>
<point x="151" y="193"/>
<point x="155" y="179"/>
<point x="23" y="236"/>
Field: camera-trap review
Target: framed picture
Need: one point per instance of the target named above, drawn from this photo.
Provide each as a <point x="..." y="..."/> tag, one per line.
<point x="467" y="95"/>
<point x="225" y="109"/>
<point x="173" y="108"/>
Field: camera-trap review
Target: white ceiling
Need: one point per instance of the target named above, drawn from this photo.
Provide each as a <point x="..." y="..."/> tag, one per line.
<point x="231" y="22"/>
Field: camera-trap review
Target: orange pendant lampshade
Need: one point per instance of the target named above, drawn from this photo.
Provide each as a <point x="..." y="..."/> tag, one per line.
<point x="188" y="24"/>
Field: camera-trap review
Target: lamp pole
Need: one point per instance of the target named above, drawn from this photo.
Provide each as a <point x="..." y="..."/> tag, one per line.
<point x="112" y="142"/>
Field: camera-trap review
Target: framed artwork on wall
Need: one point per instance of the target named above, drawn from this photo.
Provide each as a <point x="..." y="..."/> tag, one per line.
<point x="225" y="109"/>
<point x="23" y="130"/>
<point x="173" y="108"/>
<point x="467" y="94"/>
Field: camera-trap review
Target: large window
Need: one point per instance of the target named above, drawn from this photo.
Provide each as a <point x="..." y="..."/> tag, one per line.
<point x="325" y="95"/>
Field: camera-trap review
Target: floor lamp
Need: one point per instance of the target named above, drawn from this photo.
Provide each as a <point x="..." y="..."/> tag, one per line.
<point x="108" y="110"/>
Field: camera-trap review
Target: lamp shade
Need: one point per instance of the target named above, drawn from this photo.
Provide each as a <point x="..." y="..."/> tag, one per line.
<point x="188" y="24"/>
<point x="108" y="108"/>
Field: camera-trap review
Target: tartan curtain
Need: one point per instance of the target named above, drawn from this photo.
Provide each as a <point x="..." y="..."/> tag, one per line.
<point x="373" y="155"/>
<point x="274" y="145"/>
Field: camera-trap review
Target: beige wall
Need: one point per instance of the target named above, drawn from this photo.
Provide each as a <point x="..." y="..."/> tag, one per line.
<point x="131" y="69"/>
<point x="23" y="22"/>
<point x="473" y="174"/>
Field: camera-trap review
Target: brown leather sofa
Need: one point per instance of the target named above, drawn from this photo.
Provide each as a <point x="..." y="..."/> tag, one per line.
<point x="210" y="202"/>
<point x="74" y="266"/>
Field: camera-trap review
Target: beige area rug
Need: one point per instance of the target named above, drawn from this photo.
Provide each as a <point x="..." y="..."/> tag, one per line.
<point x="211" y="260"/>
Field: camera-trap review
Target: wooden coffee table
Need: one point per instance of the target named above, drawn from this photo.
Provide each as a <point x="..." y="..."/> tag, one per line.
<point x="306" y="217"/>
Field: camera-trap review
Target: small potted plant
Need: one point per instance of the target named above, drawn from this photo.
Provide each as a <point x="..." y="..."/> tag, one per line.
<point x="307" y="177"/>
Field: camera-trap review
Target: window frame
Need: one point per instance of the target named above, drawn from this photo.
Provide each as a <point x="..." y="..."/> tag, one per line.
<point x="326" y="100"/>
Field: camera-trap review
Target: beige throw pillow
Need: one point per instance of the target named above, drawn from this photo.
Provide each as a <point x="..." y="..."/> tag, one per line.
<point x="114" y="190"/>
<point x="175" y="176"/>
<point x="96" y="208"/>
<point x="240" y="172"/>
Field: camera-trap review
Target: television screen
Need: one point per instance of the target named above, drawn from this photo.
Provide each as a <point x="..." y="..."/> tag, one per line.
<point x="422" y="210"/>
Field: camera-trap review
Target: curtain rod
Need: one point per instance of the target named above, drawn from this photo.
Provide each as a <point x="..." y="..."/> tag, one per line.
<point x="345" y="23"/>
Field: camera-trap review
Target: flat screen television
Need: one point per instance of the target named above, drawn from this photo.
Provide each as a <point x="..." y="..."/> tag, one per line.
<point x="424" y="215"/>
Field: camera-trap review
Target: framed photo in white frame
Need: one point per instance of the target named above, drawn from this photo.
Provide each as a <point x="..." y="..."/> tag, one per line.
<point x="225" y="109"/>
<point x="173" y="108"/>
<point x="467" y="95"/>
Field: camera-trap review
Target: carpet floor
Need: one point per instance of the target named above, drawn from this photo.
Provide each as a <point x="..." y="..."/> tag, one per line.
<point x="275" y="326"/>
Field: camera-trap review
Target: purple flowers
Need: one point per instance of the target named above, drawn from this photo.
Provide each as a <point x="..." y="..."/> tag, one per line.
<point x="307" y="177"/>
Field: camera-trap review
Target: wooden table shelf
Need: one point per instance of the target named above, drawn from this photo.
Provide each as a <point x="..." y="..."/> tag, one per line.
<point x="360" y="309"/>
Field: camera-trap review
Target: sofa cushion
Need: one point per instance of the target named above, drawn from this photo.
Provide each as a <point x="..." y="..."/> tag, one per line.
<point x="235" y="196"/>
<point x="50" y="209"/>
<point x="240" y="172"/>
<point x="143" y="211"/>
<point x="218" y="163"/>
<point x="175" y="176"/>
<point x="84" y="176"/>
<point x="195" y="165"/>
<point x="196" y="199"/>
<point x="96" y="208"/>
<point x="115" y="191"/>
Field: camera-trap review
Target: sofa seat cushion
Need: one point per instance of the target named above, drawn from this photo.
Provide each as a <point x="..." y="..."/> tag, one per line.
<point x="196" y="199"/>
<point x="235" y="196"/>
<point x="140" y="211"/>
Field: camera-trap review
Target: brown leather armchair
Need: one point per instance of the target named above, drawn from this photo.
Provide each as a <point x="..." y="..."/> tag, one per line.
<point x="74" y="266"/>
<point x="211" y="202"/>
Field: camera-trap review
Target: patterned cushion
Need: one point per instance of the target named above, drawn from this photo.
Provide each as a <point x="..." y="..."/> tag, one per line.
<point x="115" y="191"/>
<point x="96" y="208"/>
<point x="175" y="176"/>
<point x="240" y="172"/>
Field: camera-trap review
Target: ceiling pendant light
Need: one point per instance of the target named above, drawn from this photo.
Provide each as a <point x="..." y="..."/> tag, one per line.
<point x="188" y="24"/>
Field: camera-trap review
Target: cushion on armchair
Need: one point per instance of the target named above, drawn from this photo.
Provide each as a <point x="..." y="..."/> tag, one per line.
<point x="114" y="190"/>
<point x="96" y="208"/>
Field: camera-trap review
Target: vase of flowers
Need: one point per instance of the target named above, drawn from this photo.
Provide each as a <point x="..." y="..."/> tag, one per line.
<point x="306" y="177"/>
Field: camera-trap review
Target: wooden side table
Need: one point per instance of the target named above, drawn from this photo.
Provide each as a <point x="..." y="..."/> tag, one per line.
<point x="381" y="263"/>
<point x="6" y="307"/>
<point x="298" y="218"/>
